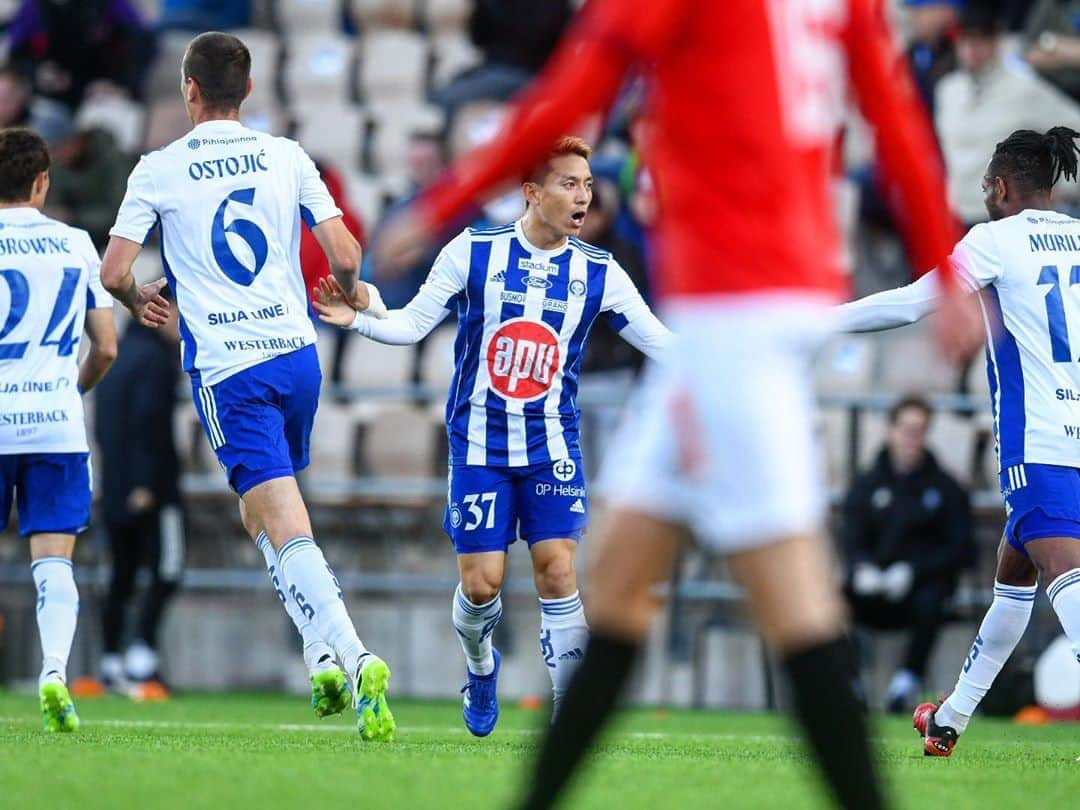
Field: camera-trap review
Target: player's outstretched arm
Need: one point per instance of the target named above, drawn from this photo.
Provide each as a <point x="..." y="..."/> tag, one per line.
<point x="101" y="330"/>
<point x="145" y="303"/>
<point x="892" y="308"/>
<point x="343" y="253"/>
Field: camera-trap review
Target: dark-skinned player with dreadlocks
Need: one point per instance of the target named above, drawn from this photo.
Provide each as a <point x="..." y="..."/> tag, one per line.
<point x="1025" y="266"/>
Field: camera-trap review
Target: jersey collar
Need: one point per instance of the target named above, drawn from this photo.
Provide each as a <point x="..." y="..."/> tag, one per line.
<point x="24" y="213"/>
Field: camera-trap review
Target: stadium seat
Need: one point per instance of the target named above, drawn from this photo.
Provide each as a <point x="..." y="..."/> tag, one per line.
<point x="368" y="364"/>
<point x="333" y="440"/>
<point x="163" y="81"/>
<point x="910" y="361"/>
<point x="265" y="48"/>
<point x="331" y="132"/>
<point x="399" y="442"/>
<point x="474" y="123"/>
<point x="952" y="440"/>
<point x="437" y="361"/>
<point x="365" y="194"/>
<point x="265" y="116"/>
<point x="166" y="120"/>
<point x="372" y="14"/>
<point x="453" y="54"/>
<point x="309" y="15"/>
<point x="442" y="16"/>
<point x="845" y="365"/>
<point x="122" y="117"/>
<point x="393" y="65"/>
<point x="391" y="125"/>
<point x="319" y="70"/>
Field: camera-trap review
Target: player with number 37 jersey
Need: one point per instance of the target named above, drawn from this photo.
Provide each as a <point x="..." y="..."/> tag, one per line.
<point x="526" y="295"/>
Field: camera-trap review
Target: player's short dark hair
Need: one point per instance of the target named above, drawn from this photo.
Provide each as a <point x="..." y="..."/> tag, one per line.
<point x="221" y="65"/>
<point x="916" y="401"/>
<point x="23" y="156"/>
<point x="1034" y="161"/>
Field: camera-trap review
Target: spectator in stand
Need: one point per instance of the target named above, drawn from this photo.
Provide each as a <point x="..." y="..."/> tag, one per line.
<point x="907" y="532"/>
<point x="313" y="262"/>
<point x="204" y="15"/>
<point x="515" y="37"/>
<point x="988" y="97"/>
<point x="66" y="48"/>
<point x="1052" y="39"/>
<point x="931" y="52"/>
<point x="18" y="108"/>
<point x="140" y="499"/>
<point x="87" y="179"/>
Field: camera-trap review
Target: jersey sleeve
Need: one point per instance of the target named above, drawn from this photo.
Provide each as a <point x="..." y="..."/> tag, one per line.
<point x="96" y="296"/>
<point x="905" y="144"/>
<point x="316" y="204"/>
<point x="976" y="258"/>
<point x="431" y="304"/>
<point x="138" y="214"/>
<point x="582" y="77"/>
<point x="629" y="315"/>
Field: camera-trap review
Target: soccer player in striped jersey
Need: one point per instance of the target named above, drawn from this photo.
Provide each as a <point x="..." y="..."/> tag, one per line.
<point x="1025" y="265"/>
<point x="229" y="201"/>
<point x="526" y="296"/>
<point x="51" y="292"/>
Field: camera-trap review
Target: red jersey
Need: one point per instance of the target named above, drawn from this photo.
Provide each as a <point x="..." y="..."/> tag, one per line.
<point x="313" y="262"/>
<point x="745" y="108"/>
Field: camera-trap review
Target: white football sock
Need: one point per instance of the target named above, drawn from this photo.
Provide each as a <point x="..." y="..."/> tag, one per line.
<point x="474" y="625"/>
<point x="563" y="636"/>
<point x="1064" y="593"/>
<point x="1000" y="632"/>
<point x="57" y="614"/>
<point x="312" y="586"/>
<point x="903" y="684"/>
<point x="317" y="653"/>
<point x="140" y="661"/>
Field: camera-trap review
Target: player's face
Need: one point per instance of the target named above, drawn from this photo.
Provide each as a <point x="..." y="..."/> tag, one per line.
<point x="563" y="200"/>
<point x="993" y="189"/>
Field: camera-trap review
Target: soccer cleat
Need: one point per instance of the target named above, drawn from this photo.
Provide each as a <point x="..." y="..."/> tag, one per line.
<point x="330" y="693"/>
<point x="938" y="741"/>
<point x="480" y="707"/>
<point x="57" y="710"/>
<point x="374" y="720"/>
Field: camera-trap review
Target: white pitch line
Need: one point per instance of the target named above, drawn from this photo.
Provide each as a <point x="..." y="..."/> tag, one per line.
<point x="338" y="728"/>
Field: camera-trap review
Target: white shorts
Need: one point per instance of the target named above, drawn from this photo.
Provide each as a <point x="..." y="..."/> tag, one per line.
<point x="719" y="437"/>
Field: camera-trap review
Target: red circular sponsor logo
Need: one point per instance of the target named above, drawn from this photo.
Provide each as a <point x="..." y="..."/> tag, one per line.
<point x="523" y="359"/>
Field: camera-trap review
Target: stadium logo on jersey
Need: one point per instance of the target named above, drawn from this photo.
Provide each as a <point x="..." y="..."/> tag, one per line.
<point x="194" y="143"/>
<point x="537" y="282"/>
<point x="577" y="287"/>
<point x="564" y="469"/>
<point x="523" y="359"/>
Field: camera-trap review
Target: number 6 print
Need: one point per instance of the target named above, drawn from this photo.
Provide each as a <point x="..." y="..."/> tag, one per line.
<point x="244" y="228"/>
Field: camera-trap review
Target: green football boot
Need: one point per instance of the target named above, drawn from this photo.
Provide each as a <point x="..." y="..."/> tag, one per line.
<point x="57" y="710"/>
<point x="330" y="693"/>
<point x="374" y="720"/>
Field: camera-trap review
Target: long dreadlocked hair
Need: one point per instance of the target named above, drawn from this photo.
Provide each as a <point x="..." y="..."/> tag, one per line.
<point x="1034" y="161"/>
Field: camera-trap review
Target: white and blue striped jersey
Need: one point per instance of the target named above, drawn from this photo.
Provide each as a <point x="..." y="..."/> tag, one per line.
<point x="524" y="315"/>
<point x="230" y="201"/>
<point x="50" y="277"/>
<point x="1027" y="270"/>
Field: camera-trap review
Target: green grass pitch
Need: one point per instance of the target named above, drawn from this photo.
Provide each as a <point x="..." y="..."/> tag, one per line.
<point x="253" y="752"/>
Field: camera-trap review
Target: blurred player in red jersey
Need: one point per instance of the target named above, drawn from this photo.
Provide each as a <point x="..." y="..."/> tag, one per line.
<point x="746" y="103"/>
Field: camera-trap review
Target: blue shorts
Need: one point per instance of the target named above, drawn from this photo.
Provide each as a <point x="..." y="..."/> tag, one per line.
<point x="259" y="419"/>
<point x="488" y="508"/>
<point x="1041" y="500"/>
<point x="52" y="491"/>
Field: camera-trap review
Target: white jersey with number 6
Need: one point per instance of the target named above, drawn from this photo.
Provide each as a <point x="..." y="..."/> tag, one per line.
<point x="49" y="278"/>
<point x="1028" y="268"/>
<point x="230" y="201"/>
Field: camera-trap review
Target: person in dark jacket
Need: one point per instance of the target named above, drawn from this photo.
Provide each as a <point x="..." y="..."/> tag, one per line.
<point x="140" y="498"/>
<point x="907" y="533"/>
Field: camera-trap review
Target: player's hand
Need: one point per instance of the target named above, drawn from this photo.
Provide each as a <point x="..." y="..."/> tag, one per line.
<point x="402" y="244"/>
<point x="866" y="581"/>
<point x="331" y="304"/>
<point x="896" y="581"/>
<point x="959" y="325"/>
<point x="150" y="307"/>
<point x="140" y="500"/>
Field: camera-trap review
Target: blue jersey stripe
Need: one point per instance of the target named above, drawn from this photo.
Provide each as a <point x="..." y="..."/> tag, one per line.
<point x="467" y="349"/>
<point x="1006" y="386"/>
<point x="190" y="349"/>
<point x="591" y="251"/>
<point x="535" y="422"/>
<point x="595" y="279"/>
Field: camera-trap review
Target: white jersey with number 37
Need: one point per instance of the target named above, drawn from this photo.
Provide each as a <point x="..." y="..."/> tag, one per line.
<point x="1028" y="268"/>
<point x="230" y="201"/>
<point x="49" y="278"/>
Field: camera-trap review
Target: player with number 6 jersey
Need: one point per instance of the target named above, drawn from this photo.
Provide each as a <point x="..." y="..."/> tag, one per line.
<point x="50" y="291"/>
<point x="230" y="202"/>
<point x="526" y="295"/>
<point x="1025" y="266"/>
